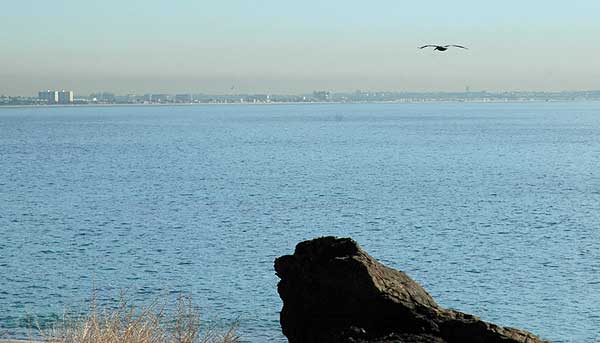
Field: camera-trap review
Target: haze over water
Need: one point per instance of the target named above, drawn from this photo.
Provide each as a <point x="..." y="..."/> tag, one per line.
<point x="271" y="46"/>
<point x="493" y="208"/>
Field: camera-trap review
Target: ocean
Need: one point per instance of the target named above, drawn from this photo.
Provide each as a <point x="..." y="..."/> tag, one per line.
<point x="493" y="207"/>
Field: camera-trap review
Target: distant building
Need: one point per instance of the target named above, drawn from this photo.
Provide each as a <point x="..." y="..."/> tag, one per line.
<point x="184" y="98"/>
<point x="126" y="99"/>
<point x="322" y="95"/>
<point x="103" y="97"/>
<point x="51" y="97"/>
<point x="162" y="98"/>
<point x="158" y="98"/>
<point x="55" y="97"/>
<point x="65" y="97"/>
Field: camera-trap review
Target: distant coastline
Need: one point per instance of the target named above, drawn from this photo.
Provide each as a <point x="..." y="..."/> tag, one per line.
<point x="107" y="98"/>
<point x="296" y="103"/>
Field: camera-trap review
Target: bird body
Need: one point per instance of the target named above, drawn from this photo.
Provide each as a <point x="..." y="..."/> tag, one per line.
<point x="442" y="47"/>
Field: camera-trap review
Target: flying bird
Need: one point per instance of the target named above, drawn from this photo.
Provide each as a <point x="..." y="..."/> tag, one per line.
<point x="442" y="47"/>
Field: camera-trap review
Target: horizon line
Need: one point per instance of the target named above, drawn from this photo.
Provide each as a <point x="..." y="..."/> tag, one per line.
<point x="361" y="91"/>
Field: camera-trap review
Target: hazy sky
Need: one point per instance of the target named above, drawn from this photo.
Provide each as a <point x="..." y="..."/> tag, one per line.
<point x="295" y="46"/>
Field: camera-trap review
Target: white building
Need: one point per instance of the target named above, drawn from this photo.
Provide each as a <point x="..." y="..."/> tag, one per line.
<point x="51" y="97"/>
<point x="65" y="97"/>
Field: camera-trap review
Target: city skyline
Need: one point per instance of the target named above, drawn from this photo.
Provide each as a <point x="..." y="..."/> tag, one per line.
<point x="151" y="46"/>
<point x="74" y="94"/>
<point x="64" y="97"/>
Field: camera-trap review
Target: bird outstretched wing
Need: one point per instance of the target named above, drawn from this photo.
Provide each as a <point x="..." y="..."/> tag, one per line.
<point x="428" y="45"/>
<point x="458" y="46"/>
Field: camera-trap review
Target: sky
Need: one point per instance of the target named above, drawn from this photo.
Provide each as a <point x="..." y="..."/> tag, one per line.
<point x="285" y="47"/>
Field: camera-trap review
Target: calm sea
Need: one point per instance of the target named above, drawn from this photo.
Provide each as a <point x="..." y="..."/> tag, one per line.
<point x="494" y="208"/>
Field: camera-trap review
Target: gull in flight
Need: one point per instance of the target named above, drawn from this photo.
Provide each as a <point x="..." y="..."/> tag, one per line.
<point x="442" y="47"/>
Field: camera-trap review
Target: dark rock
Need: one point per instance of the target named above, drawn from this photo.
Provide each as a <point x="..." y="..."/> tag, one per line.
<point x="334" y="292"/>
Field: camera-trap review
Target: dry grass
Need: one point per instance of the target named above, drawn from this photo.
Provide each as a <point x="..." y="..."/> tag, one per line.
<point x="130" y="324"/>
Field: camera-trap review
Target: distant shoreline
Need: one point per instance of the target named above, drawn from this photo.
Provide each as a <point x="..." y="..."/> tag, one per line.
<point x="303" y="103"/>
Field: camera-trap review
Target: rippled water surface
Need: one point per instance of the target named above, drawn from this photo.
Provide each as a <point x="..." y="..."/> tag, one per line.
<point x="494" y="208"/>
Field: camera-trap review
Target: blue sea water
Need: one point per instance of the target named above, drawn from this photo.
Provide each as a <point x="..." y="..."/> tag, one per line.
<point x="493" y="208"/>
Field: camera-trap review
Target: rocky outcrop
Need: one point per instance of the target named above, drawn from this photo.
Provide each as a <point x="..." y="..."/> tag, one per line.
<point x="334" y="292"/>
